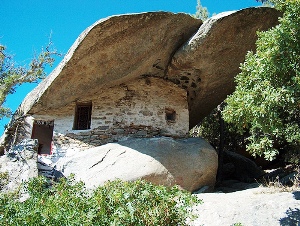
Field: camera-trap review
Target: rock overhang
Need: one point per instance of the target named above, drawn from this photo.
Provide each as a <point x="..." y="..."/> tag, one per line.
<point x="207" y="64"/>
<point x="110" y="52"/>
<point x="201" y="58"/>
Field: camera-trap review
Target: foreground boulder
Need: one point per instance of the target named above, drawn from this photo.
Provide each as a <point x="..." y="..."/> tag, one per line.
<point x="190" y="163"/>
<point x="20" y="164"/>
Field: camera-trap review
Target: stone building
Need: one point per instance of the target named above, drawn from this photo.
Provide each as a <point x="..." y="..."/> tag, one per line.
<point x="138" y="75"/>
<point x="146" y="107"/>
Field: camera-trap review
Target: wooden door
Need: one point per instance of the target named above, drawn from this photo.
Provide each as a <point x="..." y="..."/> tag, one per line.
<point x="43" y="131"/>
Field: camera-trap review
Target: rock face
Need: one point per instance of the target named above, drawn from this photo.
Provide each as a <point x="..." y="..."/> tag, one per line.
<point x="20" y="163"/>
<point x="112" y="51"/>
<point x="257" y="206"/>
<point x="207" y="64"/>
<point x="118" y="49"/>
<point x="190" y="163"/>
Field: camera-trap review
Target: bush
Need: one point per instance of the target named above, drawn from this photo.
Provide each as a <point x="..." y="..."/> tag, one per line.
<point x="210" y="129"/>
<point x="267" y="96"/>
<point x="116" y="203"/>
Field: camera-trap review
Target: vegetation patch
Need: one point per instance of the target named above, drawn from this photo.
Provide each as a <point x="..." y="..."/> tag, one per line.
<point x="275" y="185"/>
<point x="267" y="96"/>
<point x="116" y="203"/>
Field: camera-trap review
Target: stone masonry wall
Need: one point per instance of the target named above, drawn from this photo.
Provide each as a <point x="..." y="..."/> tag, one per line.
<point x="135" y="109"/>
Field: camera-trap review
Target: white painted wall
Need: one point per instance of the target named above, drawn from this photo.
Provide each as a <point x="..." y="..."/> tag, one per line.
<point x="141" y="102"/>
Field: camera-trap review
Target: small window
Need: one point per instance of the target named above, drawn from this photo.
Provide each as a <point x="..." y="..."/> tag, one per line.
<point x="82" y="120"/>
<point x="170" y="115"/>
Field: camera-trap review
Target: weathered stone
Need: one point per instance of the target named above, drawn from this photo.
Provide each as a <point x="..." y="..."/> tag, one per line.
<point x="103" y="128"/>
<point x="119" y="130"/>
<point x="146" y="112"/>
<point x="146" y="39"/>
<point x="141" y="133"/>
<point x="46" y="169"/>
<point x="190" y="163"/>
<point x="104" y="136"/>
<point x="87" y="133"/>
<point x="20" y="163"/>
<point x="211" y="58"/>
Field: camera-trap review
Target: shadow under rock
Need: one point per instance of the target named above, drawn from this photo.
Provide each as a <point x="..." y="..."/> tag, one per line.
<point x="292" y="218"/>
<point x="296" y="195"/>
<point x="228" y="186"/>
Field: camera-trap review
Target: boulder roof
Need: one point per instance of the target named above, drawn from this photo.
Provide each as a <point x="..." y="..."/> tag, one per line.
<point x="202" y="58"/>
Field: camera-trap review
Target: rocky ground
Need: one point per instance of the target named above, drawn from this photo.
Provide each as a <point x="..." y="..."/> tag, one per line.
<point x="238" y="200"/>
<point x="255" y="206"/>
<point x="237" y="203"/>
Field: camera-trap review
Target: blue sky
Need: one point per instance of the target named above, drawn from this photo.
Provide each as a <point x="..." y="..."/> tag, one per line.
<point x="26" y="24"/>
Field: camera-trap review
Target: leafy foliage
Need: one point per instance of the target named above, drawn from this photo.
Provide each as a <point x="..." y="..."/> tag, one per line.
<point x="116" y="203"/>
<point x="267" y="97"/>
<point x="210" y="130"/>
<point x="12" y="75"/>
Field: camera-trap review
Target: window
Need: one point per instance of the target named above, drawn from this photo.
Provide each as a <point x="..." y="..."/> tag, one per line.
<point x="82" y="118"/>
<point x="170" y="115"/>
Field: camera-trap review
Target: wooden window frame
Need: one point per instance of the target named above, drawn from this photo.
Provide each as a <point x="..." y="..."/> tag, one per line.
<point x="83" y="115"/>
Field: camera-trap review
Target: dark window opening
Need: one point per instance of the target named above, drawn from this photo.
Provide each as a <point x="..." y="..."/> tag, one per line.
<point x="83" y="114"/>
<point x="170" y="115"/>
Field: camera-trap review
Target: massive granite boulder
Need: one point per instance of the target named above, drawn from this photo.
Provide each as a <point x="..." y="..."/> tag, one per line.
<point x="201" y="59"/>
<point x="207" y="64"/>
<point x="110" y="52"/>
<point x="190" y="163"/>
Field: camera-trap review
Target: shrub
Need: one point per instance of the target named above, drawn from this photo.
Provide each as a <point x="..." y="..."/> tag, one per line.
<point x="267" y="96"/>
<point x="210" y="129"/>
<point x="116" y="203"/>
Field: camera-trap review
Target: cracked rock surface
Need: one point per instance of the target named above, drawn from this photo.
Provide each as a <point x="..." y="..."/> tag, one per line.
<point x="190" y="163"/>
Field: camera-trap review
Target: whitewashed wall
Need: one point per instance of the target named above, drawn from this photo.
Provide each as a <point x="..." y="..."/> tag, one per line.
<point x="142" y="102"/>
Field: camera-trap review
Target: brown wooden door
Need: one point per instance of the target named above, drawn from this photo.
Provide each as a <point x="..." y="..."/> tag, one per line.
<point x="43" y="131"/>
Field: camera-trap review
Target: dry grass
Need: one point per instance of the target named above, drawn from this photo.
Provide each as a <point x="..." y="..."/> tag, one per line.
<point x="275" y="185"/>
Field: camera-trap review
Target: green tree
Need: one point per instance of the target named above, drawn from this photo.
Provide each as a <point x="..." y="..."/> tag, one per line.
<point x="267" y="97"/>
<point x="201" y="12"/>
<point x="12" y="75"/>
